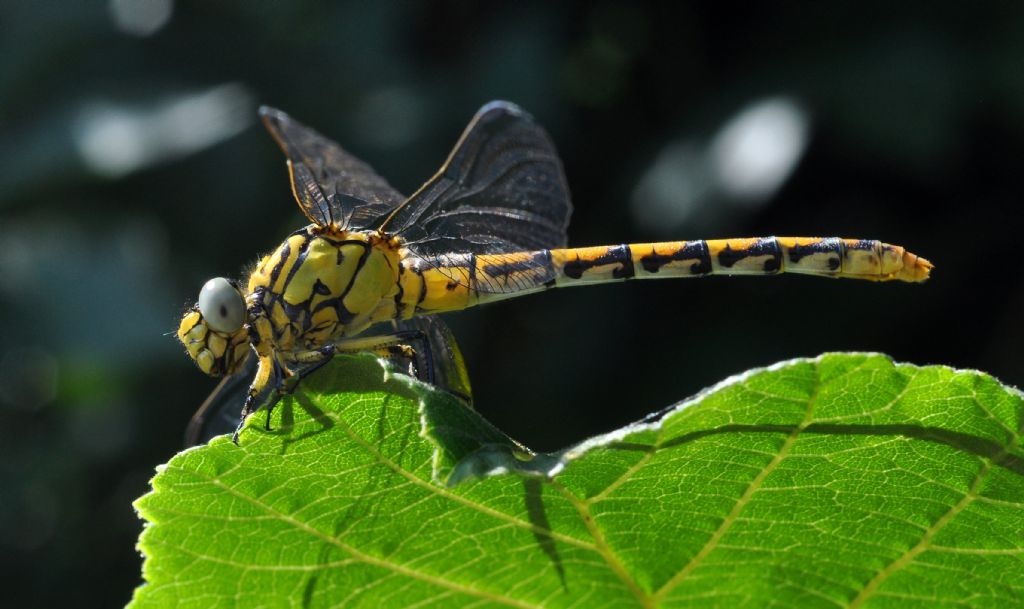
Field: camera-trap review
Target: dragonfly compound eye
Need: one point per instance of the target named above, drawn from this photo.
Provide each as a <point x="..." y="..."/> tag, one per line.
<point x="221" y="305"/>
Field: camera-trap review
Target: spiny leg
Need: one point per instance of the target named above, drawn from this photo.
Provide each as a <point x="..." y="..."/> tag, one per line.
<point x="286" y="380"/>
<point x="397" y="345"/>
<point x="385" y="345"/>
<point x="426" y="364"/>
<point x="392" y="346"/>
<point x="281" y="376"/>
<point x="260" y="335"/>
<point x="259" y="383"/>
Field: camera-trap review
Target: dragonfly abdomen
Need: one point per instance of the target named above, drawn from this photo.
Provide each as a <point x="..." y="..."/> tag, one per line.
<point x="454" y="282"/>
<point x="826" y="257"/>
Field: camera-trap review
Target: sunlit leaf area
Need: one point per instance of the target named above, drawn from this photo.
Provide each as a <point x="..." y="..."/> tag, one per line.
<point x="844" y="481"/>
<point x="134" y="169"/>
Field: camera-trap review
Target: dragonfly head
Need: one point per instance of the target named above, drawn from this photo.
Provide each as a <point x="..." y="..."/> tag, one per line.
<point x="213" y="331"/>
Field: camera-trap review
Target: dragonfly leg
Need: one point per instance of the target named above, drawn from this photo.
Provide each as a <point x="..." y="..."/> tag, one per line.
<point x="316" y="359"/>
<point x="414" y="347"/>
<point x="395" y="346"/>
<point x="410" y="345"/>
<point x="259" y="383"/>
<point x="281" y="376"/>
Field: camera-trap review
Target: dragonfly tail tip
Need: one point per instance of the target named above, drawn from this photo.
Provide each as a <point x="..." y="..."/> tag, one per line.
<point x="915" y="268"/>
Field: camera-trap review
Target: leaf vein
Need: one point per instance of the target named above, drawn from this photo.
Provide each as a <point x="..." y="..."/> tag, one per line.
<point x="745" y="498"/>
<point x="396" y="568"/>
<point x="908" y="556"/>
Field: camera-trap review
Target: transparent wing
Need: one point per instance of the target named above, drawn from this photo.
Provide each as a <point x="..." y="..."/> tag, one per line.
<point x="502" y="189"/>
<point x="220" y="412"/>
<point x="333" y="188"/>
<point x="438" y="360"/>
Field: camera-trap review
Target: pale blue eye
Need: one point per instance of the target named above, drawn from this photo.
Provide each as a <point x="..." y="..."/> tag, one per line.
<point x="221" y="305"/>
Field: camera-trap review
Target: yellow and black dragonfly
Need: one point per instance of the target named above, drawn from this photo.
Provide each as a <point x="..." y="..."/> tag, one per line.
<point x="374" y="265"/>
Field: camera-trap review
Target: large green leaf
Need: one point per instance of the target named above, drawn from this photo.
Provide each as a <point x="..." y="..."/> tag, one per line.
<point x="844" y="481"/>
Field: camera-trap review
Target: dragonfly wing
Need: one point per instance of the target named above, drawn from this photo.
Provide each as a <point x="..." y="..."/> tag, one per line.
<point x="220" y="412"/>
<point x="333" y="188"/>
<point x="437" y="360"/>
<point x="501" y="190"/>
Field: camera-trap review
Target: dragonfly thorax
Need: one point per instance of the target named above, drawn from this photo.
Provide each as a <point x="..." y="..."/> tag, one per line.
<point x="319" y="286"/>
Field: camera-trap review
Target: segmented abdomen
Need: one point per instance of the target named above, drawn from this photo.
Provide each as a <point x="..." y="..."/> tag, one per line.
<point x="827" y="257"/>
<point x="459" y="281"/>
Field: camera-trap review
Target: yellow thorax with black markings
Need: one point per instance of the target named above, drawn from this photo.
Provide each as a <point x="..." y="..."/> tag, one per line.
<point x="318" y="286"/>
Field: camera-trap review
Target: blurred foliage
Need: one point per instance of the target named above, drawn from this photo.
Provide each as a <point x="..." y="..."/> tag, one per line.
<point x="114" y="208"/>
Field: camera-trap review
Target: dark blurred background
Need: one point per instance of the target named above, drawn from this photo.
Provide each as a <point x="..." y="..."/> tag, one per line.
<point x="132" y="169"/>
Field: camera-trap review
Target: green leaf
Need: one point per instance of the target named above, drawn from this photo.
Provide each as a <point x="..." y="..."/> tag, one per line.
<point x="844" y="481"/>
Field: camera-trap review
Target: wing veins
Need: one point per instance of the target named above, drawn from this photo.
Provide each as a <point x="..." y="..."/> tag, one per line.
<point x="332" y="186"/>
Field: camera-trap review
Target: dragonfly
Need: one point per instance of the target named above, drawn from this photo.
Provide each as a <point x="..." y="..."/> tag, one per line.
<point x="374" y="267"/>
